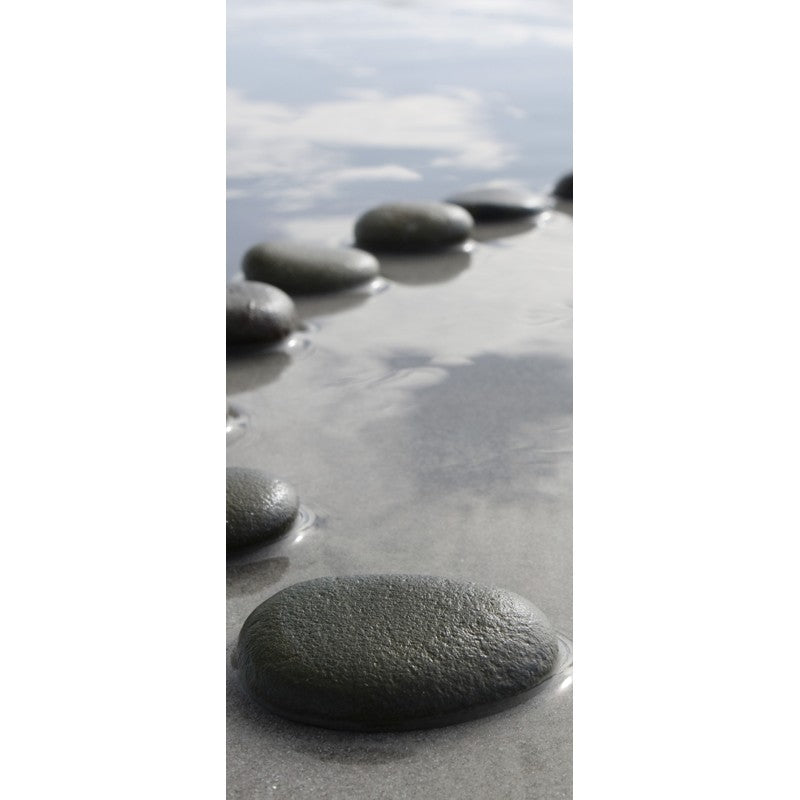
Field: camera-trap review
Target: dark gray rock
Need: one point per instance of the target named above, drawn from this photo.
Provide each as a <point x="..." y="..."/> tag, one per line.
<point x="563" y="189"/>
<point x="300" y="268"/>
<point x="257" y="312"/>
<point x="413" y="227"/>
<point x="490" y="203"/>
<point x="392" y="652"/>
<point x="259" y="508"/>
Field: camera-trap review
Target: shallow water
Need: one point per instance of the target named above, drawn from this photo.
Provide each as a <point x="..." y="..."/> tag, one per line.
<point x="337" y="106"/>
<point x="425" y="421"/>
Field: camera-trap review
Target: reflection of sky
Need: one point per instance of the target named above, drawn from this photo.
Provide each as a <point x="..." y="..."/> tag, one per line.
<point x="336" y="106"/>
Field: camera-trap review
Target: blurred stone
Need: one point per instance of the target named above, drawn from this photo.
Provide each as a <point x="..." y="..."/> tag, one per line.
<point x="413" y="227"/>
<point x="256" y="312"/>
<point x="489" y="203"/>
<point x="563" y="189"/>
<point x="299" y="268"/>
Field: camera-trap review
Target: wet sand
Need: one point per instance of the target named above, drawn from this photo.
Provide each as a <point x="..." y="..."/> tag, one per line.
<point x="428" y="428"/>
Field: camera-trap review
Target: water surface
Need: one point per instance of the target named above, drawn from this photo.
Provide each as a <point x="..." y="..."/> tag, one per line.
<point x="425" y="422"/>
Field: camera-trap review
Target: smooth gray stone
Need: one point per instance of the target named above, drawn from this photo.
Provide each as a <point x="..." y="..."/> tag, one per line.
<point x="259" y="508"/>
<point x="300" y="268"/>
<point x="256" y="312"/>
<point x="392" y="652"/>
<point x="496" y="203"/>
<point x="413" y="227"/>
<point x="563" y="189"/>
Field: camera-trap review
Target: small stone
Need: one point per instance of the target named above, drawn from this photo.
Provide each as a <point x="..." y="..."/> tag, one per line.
<point x="257" y="312"/>
<point x="259" y="508"/>
<point x="300" y="268"/>
<point x="489" y="203"/>
<point x="563" y="188"/>
<point x="413" y="227"/>
<point x="392" y="652"/>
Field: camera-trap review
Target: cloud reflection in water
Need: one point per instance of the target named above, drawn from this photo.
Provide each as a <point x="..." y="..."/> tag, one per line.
<point x="295" y="155"/>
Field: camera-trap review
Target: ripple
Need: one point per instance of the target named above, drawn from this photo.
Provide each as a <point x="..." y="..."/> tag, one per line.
<point x="306" y="526"/>
<point x="560" y="679"/>
<point x="377" y="286"/>
<point x="410" y="376"/>
<point x="298" y="346"/>
<point x="306" y="520"/>
<point x="236" y="423"/>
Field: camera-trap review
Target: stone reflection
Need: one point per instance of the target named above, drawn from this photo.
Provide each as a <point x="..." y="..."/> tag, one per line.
<point x="420" y="270"/>
<point x="250" y="578"/>
<point x="490" y="231"/>
<point x="309" y="306"/>
<point x="249" y="368"/>
<point x="564" y="206"/>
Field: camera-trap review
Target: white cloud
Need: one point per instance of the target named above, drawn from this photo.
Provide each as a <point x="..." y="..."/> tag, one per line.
<point x="387" y="172"/>
<point x="482" y="23"/>
<point x="296" y="153"/>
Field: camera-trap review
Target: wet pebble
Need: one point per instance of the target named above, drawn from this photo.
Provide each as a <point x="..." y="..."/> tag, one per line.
<point x="259" y="508"/>
<point x="489" y="203"/>
<point x="257" y="312"/>
<point x="413" y="227"/>
<point x="300" y="268"/>
<point x="392" y="652"/>
<point x="563" y="189"/>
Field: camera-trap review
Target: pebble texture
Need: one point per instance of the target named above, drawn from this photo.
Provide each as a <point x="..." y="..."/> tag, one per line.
<point x="300" y="268"/>
<point x="257" y="312"/>
<point x="563" y="188"/>
<point x="259" y="508"/>
<point x="413" y="227"/>
<point x="491" y="203"/>
<point x="392" y="652"/>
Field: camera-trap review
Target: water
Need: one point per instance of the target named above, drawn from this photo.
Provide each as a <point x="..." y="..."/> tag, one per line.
<point x="337" y="106"/>
<point x="425" y="421"/>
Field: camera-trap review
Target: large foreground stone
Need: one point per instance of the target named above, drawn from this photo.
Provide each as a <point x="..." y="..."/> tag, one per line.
<point x="392" y="652"/>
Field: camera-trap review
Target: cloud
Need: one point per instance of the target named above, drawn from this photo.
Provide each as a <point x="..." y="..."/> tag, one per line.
<point x="292" y="154"/>
<point x="482" y="23"/>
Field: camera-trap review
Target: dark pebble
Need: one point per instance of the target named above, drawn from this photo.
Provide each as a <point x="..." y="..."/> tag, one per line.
<point x="413" y="227"/>
<point x="257" y="312"/>
<point x="392" y="652"/>
<point x="300" y="268"/>
<point x="563" y="188"/>
<point x="259" y="508"/>
<point x="490" y="203"/>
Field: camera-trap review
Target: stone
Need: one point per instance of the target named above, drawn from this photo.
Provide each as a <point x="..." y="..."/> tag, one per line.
<point x="413" y="227"/>
<point x="256" y="312"/>
<point x="300" y="268"/>
<point x="258" y="508"/>
<point x="563" y="189"/>
<point x="490" y="203"/>
<point x="392" y="652"/>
